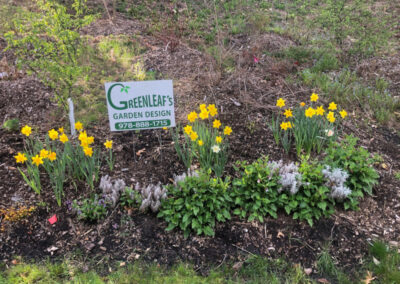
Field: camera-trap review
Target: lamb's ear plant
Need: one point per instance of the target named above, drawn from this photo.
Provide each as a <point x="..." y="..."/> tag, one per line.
<point x="196" y="203"/>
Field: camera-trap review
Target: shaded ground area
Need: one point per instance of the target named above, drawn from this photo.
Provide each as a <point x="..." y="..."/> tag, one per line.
<point x="245" y="98"/>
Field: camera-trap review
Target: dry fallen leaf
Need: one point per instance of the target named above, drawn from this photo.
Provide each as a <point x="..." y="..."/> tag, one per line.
<point x="138" y="153"/>
<point x="368" y="279"/>
<point x="323" y="280"/>
<point x="280" y="235"/>
<point x="237" y="265"/>
<point x="14" y="262"/>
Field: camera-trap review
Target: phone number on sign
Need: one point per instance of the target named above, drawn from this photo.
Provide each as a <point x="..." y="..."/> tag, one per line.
<point x="142" y="124"/>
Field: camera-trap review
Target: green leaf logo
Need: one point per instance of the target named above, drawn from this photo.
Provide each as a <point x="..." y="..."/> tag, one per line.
<point x="125" y="89"/>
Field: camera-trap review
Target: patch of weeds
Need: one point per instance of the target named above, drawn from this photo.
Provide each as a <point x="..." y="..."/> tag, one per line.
<point x="386" y="263"/>
<point x="121" y="48"/>
<point x="11" y="125"/>
<point x="397" y="175"/>
<point x="327" y="268"/>
<point x="326" y="62"/>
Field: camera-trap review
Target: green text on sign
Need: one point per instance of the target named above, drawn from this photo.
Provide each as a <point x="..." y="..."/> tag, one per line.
<point x="142" y="124"/>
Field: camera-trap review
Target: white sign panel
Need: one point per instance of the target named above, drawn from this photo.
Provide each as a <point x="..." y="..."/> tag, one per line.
<point x="140" y="105"/>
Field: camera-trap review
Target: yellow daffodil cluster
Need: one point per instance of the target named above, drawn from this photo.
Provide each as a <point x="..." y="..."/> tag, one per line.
<point x="85" y="142"/>
<point x="205" y="113"/>
<point x="310" y="111"/>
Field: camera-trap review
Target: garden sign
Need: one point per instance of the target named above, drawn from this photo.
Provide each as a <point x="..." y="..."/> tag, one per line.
<point x="140" y="105"/>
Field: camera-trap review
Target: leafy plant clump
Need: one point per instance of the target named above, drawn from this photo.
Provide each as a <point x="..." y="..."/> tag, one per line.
<point x="312" y="200"/>
<point x="91" y="209"/>
<point x="256" y="192"/>
<point x="196" y="204"/>
<point x="358" y="163"/>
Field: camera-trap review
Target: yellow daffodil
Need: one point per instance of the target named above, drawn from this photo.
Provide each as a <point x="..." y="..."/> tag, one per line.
<point x="227" y="130"/>
<point x="212" y="110"/>
<point x="320" y="110"/>
<point x="85" y="142"/>
<point x="332" y="106"/>
<point x="200" y="142"/>
<point x="37" y="160"/>
<point x="20" y="158"/>
<point x="289" y="124"/>
<point x="90" y="140"/>
<point x="63" y="138"/>
<point x="288" y="113"/>
<point x="88" y="151"/>
<point x="53" y="134"/>
<point x="78" y="126"/>
<point x="280" y="103"/>
<point x="193" y="136"/>
<point x="331" y="117"/>
<point x="314" y="97"/>
<point x="343" y="113"/>
<point x="203" y="107"/>
<point x="165" y="128"/>
<point x="204" y="114"/>
<point x="26" y="130"/>
<point x="284" y="125"/>
<point x="302" y="104"/>
<point x="192" y="116"/>
<point x="188" y="129"/>
<point x="52" y="156"/>
<point x="108" y="144"/>
<point x="310" y="112"/>
<point x="82" y="136"/>
<point x="44" y="153"/>
<point x="216" y="123"/>
<point x="61" y="129"/>
<point x="218" y="139"/>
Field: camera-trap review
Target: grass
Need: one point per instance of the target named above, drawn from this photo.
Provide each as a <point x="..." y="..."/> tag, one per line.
<point x="383" y="264"/>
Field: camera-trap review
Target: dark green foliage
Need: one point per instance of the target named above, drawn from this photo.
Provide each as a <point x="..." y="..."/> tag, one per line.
<point x="91" y="209"/>
<point x="255" y="192"/>
<point x="130" y="198"/>
<point x="311" y="201"/>
<point x="358" y="163"/>
<point x="196" y="203"/>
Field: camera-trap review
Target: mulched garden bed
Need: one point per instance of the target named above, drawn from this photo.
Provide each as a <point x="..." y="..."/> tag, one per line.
<point x="244" y="103"/>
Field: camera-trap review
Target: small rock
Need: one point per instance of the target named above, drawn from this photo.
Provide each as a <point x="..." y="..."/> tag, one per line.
<point x="103" y="248"/>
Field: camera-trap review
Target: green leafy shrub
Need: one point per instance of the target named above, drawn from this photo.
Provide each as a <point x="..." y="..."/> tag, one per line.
<point x="358" y="163"/>
<point x="312" y="200"/>
<point x="91" y="209"/>
<point x="49" y="45"/>
<point x="255" y="192"/>
<point x="196" y="203"/>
